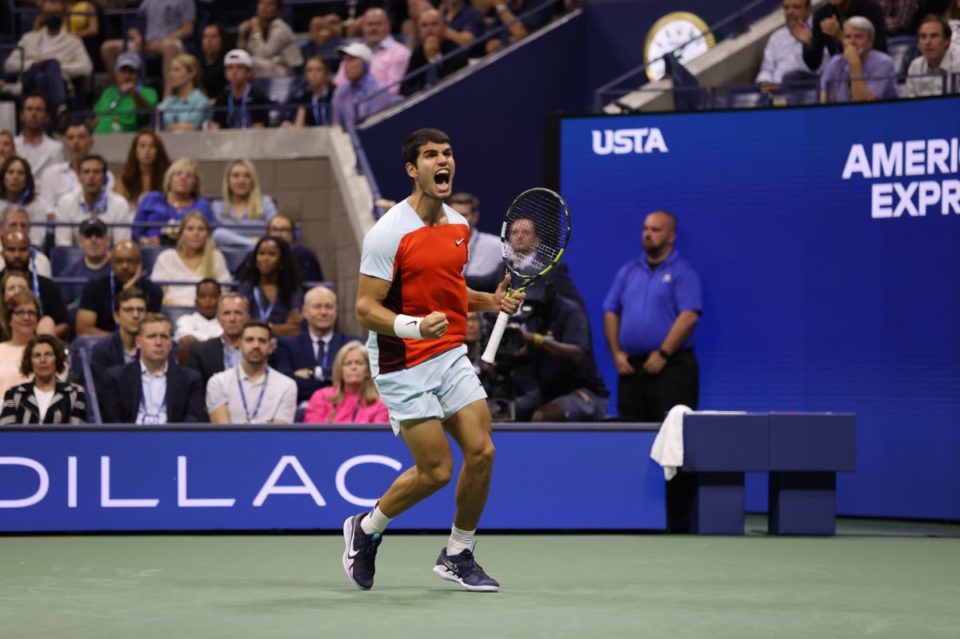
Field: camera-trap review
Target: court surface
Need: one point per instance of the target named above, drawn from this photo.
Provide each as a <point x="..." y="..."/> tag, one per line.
<point x="876" y="579"/>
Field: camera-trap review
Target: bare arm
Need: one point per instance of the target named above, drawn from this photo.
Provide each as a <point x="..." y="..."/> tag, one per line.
<point x="568" y="353"/>
<point x="611" y="330"/>
<point x="220" y="415"/>
<point x="497" y="301"/>
<point x="374" y="316"/>
<point x="515" y="28"/>
<point x="87" y="323"/>
<point x="680" y="330"/>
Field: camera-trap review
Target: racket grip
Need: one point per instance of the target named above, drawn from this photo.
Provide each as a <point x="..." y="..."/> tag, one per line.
<point x="490" y="353"/>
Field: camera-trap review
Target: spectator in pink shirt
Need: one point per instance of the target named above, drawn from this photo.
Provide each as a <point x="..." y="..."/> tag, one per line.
<point x="390" y="58"/>
<point x="352" y="399"/>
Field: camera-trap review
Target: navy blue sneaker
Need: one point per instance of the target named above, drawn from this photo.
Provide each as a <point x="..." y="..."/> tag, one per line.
<point x="360" y="552"/>
<point x="464" y="569"/>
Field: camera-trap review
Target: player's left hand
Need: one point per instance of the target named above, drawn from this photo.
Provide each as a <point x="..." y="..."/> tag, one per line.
<point x="507" y="303"/>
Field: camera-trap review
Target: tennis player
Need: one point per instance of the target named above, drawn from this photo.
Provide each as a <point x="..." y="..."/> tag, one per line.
<point x="414" y="299"/>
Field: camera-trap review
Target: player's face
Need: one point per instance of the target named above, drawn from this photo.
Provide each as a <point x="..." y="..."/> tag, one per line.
<point x="355" y="368"/>
<point x="255" y="345"/>
<point x="434" y="170"/>
<point x="523" y="236"/>
<point x="657" y="233"/>
<point x="933" y="45"/>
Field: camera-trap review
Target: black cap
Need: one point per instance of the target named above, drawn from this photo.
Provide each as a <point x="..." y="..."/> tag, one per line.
<point x="93" y="226"/>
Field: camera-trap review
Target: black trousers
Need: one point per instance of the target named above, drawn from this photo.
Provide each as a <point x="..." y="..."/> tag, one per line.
<point x="642" y="397"/>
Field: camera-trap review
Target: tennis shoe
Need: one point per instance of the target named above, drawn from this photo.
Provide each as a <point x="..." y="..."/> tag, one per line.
<point x="464" y="569"/>
<point x="360" y="552"/>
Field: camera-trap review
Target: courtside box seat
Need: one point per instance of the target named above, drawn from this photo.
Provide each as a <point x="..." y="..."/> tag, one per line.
<point x="708" y="498"/>
<point x="807" y="450"/>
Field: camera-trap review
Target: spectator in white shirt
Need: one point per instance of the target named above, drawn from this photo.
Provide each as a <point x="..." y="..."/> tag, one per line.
<point x="784" y="51"/>
<point x="930" y="72"/>
<point x="51" y="40"/>
<point x="93" y="199"/>
<point x="64" y="177"/>
<point x="15" y="219"/>
<point x="270" y="41"/>
<point x="194" y="259"/>
<point x="203" y="324"/>
<point x="33" y="143"/>
<point x="18" y="188"/>
<point x="252" y="392"/>
<point x="484" y="268"/>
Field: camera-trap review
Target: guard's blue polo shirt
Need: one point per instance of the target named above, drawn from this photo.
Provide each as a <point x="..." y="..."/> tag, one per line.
<point x="649" y="300"/>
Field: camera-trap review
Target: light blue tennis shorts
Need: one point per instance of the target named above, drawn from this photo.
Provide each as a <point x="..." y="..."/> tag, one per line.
<point x="438" y="387"/>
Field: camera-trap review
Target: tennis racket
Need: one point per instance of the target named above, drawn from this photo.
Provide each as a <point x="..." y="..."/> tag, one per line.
<point x="533" y="238"/>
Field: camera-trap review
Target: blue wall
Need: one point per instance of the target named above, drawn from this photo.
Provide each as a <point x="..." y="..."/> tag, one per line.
<point x="495" y="116"/>
<point x="810" y="302"/>
<point x="495" y="119"/>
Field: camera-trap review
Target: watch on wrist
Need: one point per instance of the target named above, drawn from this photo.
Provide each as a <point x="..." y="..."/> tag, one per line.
<point x="664" y="354"/>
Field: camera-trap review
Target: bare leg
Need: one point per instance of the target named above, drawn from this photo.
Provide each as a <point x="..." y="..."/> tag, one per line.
<point x="470" y="428"/>
<point x="431" y="471"/>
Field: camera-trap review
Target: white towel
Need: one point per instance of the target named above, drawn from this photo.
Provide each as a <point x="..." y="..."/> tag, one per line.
<point x="668" y="446"/>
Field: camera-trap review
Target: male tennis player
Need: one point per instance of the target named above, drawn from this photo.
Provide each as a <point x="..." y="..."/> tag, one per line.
<point x="414" y="299"/>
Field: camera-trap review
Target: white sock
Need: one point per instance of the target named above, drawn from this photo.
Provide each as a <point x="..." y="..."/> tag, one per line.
<point x="460" y="540"/>
<point x="375" y="521"/>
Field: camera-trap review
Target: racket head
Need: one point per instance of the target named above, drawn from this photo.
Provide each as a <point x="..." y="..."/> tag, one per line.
<point x="534" y="235"/>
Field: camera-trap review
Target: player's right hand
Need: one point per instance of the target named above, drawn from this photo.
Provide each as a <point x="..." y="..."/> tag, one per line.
<point x="434" y="325"/>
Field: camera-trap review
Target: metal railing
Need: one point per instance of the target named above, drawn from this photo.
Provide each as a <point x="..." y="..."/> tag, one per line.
<point x="610" y="90"/>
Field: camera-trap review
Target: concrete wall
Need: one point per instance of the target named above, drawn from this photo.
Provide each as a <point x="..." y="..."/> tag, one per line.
<point x="311" y="174"/>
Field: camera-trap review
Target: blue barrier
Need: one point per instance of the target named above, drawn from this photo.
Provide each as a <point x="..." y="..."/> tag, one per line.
<point x="308" y="478"/>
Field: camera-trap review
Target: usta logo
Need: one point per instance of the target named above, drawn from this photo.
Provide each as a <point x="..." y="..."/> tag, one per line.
<point x="623" y="141"/>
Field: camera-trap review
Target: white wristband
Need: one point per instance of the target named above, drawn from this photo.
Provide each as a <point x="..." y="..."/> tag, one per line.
<point x="407" y="327"/>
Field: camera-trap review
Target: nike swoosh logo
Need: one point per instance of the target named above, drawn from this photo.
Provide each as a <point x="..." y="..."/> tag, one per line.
<point x="411" y="322"/>
<point x="460" y="241"/>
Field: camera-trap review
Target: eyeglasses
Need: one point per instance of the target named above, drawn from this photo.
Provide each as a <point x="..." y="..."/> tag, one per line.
<point x="25" y="312"/>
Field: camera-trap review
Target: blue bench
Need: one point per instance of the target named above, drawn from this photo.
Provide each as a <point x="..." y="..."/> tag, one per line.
<point x="802" y="452"/>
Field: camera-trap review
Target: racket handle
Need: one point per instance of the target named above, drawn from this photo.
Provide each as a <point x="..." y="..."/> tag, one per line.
<point x="490" y="354"/>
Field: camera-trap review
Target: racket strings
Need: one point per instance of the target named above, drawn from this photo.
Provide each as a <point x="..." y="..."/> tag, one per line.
<point x="536" y="232"/>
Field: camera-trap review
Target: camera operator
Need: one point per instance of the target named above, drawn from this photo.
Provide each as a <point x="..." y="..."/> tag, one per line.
<point x="558" y="380"/>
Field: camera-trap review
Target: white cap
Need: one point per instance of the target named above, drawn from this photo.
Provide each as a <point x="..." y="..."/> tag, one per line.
<point x="238" y="56"/>
<point x="357" y="50"/>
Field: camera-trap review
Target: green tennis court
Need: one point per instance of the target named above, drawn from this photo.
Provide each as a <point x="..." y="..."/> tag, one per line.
<point x="876" y="579"/>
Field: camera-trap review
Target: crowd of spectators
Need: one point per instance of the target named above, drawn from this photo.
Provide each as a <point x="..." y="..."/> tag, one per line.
<point x="185" y="65"/>
<point x="841" y="48"/>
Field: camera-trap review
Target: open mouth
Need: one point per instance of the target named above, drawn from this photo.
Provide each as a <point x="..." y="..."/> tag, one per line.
<point x="442" y="177"/>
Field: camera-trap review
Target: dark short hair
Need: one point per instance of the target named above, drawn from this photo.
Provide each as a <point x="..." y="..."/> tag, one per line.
<point x="670" y="216"/>
<point x="35" y="95"/>
<point x="59" y="352"/>
<point x="411" y="146"/>
<point x="932" y="17"/>
<point x="127" y="294"/>
<point x="255" y="323"/>
<point x="96" y="158"/>
<point x="209" y="281"/>
<point x="73" y="122"/>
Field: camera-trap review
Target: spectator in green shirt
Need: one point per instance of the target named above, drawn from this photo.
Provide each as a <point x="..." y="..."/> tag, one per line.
<point x="118" y="106"/>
